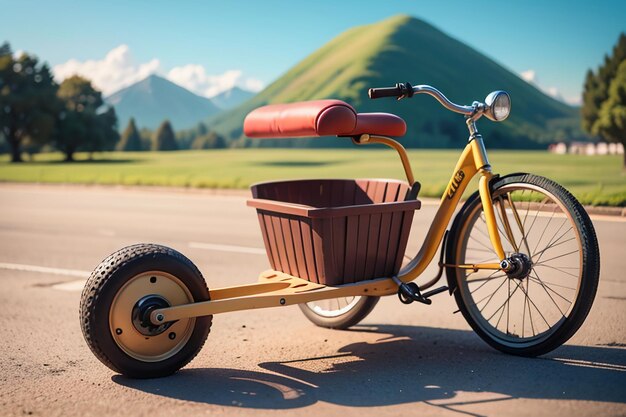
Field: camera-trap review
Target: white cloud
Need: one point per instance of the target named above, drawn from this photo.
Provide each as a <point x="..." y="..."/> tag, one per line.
<point x="118" y="69"/>
<point x="195" y="78"/>
<point x="530" y="76"/>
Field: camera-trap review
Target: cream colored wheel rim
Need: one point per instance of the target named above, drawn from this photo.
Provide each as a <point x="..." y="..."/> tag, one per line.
<point x="149" y="348"/>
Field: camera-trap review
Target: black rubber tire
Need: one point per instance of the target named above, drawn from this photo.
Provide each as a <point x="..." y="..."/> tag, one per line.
<point x="99" y="293"/>
<point x="352" y="317"/>
<point x="590" y="269"/>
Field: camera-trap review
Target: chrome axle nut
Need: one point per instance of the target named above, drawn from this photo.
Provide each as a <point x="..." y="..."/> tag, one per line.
<point x="160" y="317"/>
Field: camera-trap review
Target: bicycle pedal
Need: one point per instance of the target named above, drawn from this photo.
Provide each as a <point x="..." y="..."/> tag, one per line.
<point x="409" y="292"/>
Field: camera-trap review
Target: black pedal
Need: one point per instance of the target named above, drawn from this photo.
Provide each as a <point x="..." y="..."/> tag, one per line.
<point x="409" y="292"/>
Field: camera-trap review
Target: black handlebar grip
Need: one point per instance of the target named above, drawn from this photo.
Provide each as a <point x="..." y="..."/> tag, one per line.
<point x="400" y="90"/>
<point x="374" y="93"/>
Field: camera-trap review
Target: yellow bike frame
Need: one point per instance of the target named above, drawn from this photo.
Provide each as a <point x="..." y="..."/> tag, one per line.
<point x="276" y="289"/>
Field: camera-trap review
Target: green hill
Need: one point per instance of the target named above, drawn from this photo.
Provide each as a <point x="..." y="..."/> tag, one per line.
<point x="400" y="49"/>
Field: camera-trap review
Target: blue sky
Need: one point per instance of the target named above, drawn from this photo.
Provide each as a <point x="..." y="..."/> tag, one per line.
<point x="207" y="45"/>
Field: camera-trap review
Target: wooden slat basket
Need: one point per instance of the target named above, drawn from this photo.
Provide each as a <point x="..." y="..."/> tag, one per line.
<point x="335" y="232"/>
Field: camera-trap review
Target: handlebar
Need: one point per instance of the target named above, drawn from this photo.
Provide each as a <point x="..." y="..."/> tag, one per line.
<point x="402" y="90"/>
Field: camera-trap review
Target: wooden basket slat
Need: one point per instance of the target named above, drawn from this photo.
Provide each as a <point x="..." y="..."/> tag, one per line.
<point x="310" y="229"/>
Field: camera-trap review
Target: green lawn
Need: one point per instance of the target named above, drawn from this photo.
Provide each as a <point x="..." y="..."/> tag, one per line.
<point x="595" y="180"/>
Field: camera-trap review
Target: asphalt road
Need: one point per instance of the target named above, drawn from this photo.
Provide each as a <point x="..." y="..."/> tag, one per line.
<point x="403" y="360"/>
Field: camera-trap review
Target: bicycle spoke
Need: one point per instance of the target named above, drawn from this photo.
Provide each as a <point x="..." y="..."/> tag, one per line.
<point x="490" y="298"/>
<point x="505" y="301"/>
<point x="544" y="288"/>
<point x="536" y="280"/>
<point x="543" y="203"/>
<point x="519" y="222"/>
<point x="557" y="269"/>
<point x="480" y="243"/>
<point x="480" y="250"/>
<point x="489" y="278"/>
<point x="524" y="311"/>
<point x="556" y="257"/>
<point x="552" y="238"/>
<point x="554" y="285"/>
<point x="485" y="279"/>
<point x="545" y="228"/>
<point x="553" y="245"/>
<point x="534" y="305"/>
<point x="506" y="224"/>
<point x="527" y="207"/>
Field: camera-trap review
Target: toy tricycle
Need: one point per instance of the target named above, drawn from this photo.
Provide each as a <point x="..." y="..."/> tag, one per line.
<point x="521" y="256"/>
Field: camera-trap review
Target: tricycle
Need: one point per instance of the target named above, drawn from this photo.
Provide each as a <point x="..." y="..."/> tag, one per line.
<point x="521" y="256"/>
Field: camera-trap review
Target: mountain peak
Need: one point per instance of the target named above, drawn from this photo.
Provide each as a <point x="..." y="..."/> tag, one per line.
<point x="231" y="97"/>
<point x="398" y="20"/>
<point x="155" y="98"/>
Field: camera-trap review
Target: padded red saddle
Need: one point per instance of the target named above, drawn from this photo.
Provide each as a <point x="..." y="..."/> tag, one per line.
<point x="319" y="118"/>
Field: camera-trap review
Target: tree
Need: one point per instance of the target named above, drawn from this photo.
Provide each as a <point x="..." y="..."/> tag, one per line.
<point x="27" y="99"/>
<point x="611" y="123"/>
<point x="146" y="136"/>
<point x="209" y="141"/>
<point x="84" y="123"/>
<point x="105" y="135"/>
<point x="130" y="141"/>
<point x="164" y="138"/>
<point x="596" y="93"/>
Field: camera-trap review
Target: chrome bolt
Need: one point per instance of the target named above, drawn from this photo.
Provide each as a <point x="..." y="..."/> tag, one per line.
<point x="282" y="301"/>
<point x="505" y="265"/>
<point x="160" y="317"/>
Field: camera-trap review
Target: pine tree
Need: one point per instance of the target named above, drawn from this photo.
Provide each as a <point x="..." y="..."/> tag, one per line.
<point x="130" y="140"/>
<point x="164" y="138"/>
<point x="210" y="140"/>
<point x="611" y="123"/>
<point x="596" y="88"/>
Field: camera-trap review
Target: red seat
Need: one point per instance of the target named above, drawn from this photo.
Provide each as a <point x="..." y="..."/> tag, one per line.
<point x="319" y="118"/>
<point x="384" y="124"/>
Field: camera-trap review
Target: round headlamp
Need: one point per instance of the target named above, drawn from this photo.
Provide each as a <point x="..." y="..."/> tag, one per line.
<point x="497" y="106"/>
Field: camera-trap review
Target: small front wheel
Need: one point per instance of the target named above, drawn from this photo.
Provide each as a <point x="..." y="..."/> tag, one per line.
<point x="543" y="300"/>
<point x="117" y="301"/>
<point x="339" y="313"/>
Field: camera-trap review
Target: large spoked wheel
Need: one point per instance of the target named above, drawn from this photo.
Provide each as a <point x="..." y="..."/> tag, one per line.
<point x="117" y="301"/>
<point x="551" y="240"/>
<point x="339" y="313"/>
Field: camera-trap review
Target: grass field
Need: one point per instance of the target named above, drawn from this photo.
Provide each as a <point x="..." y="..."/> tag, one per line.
<point x="595" y="180"/>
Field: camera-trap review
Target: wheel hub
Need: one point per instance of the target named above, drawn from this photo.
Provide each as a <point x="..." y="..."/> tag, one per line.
<point x="141" y="315"/>
<point x="520" y="266"/>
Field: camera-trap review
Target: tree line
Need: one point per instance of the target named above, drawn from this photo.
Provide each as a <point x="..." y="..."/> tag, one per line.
<point x="164" y="138"/>
<point x="36" y="111"/>
<point x="604" y="97"/>
<point x="37" y="114"/>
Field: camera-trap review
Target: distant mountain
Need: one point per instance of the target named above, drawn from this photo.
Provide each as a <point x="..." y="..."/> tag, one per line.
<point x="400" y="49"/>
<point x="154" y="99"/>
<point x="231" y="98"/>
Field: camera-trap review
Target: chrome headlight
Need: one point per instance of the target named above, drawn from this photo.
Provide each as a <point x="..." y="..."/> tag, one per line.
<point x="497" y="106"/>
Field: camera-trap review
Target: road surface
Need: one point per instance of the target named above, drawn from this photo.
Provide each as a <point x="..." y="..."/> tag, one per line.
<point x="403" y="360"/>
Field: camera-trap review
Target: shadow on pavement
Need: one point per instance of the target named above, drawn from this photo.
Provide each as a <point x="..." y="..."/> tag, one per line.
<point x="405" y="365"/>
